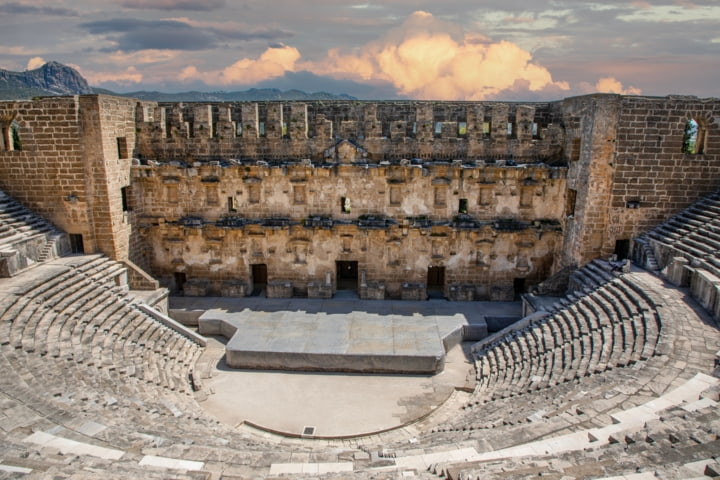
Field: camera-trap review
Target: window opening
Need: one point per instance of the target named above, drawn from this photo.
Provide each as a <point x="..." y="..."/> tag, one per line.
<point x="15" y="135"/>
<point x="486" y="129"/>
<point x="463" y="206"/>
<point x="345" y="205"/>
<point x="232" y="206"/>
<point x="575" y="152"/>
<point x="124" y="199"/>
<point x="693" y="138"/>
<point x="122" y="147"/>
<point x="570" y="205"/>
<point x="462" y="129"/>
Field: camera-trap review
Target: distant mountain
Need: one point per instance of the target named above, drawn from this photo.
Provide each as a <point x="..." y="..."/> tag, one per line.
<point x="252" y="95"/>
<point x="53" y="78"/>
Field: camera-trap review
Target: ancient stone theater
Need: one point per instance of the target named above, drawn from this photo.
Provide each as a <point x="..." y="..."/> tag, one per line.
<point x="598" y="216"/>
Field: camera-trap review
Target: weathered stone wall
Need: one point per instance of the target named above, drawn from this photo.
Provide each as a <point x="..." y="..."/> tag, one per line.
<point x="74" y="159"/>
<point x="627" y="171"/>
<point x="377" y="131"/>
<point x="398" y="187"/>
<point x="435" y="191"/>
<point x="590" y="125"/>
<point x="48" y="173"/>
<point x="485" y="257"/>
<point x="652" y="178"/>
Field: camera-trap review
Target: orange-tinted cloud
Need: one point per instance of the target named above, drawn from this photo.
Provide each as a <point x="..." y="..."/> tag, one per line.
<point x="273" y="62"/>
<point x="613" y="85"/>
<point x="35" y="62"/>
<point x="422" y="60"/>
<point x="130" y="76"/>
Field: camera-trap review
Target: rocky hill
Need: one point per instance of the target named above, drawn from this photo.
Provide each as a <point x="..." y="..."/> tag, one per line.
<point x="53" y="78"/>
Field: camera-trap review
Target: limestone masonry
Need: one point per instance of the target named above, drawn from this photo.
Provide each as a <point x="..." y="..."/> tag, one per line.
<point x="475" y="200"/>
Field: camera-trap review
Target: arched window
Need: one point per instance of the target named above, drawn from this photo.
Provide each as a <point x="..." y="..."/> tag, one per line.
<point x="694" y="137"/>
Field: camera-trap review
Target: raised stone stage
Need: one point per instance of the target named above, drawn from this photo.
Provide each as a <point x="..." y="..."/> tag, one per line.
<point x="352" y="342"/>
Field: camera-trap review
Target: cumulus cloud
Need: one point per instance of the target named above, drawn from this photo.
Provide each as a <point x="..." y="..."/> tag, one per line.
<point x="273" y="62"/>
<point x="130" y="76"/>
<point x="35" y="62"/>
<point x="203" y="5"/>
<point x="422" y="60"/>
<point x="613" y="85"/>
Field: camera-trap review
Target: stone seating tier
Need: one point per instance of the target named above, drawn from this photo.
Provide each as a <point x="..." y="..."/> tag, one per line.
<point x="611" y="326"/>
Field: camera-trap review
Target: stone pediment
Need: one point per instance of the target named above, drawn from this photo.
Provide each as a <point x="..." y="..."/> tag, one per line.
<point x="345" y="151"/>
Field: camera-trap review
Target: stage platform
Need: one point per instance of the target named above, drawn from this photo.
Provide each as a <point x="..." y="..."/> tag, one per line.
<point x="353" y="342"/>
<point x="339" y="335"/>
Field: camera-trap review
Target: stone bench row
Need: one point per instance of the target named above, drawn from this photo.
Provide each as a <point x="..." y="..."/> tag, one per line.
<point x="81" y="316"/>
<point x="695" y="231"/>
<point x="680" y="442"/>
<point x="610" y="327"/>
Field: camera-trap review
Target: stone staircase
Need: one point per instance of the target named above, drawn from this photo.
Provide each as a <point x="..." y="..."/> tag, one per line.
<point x="26" y="238"/>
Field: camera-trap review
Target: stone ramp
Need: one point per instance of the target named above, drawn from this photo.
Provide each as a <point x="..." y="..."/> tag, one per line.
<point x="352" y="342"/>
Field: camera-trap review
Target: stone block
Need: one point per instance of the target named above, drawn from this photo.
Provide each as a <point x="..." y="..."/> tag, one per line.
<point x="372" y="291"/>
<point x="461" y="292"/>
<point x="196" y="287"/>
<point x="677" y="273"/>
<point x="319" y="290"/>
<point x="704" y="288"/>
<point x="413" y="291"/>
<point x="234" y="288"/>
<point x="502" y="293"/>
<point x="280" y="289"/>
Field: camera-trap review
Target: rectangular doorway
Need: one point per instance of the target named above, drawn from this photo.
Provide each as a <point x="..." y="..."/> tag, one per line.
<point x="436" y="278"/>
<point x="259" y="274"/>
<point x="76" y="243"/>
<point x="622" y="249"/>
<point x="518" y="287"/>
<point x="179" y="280"/>
<point x="347" y="275"/>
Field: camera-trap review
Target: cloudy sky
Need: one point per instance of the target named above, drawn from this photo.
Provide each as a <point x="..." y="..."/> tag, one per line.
<point x="446" y="50"/>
